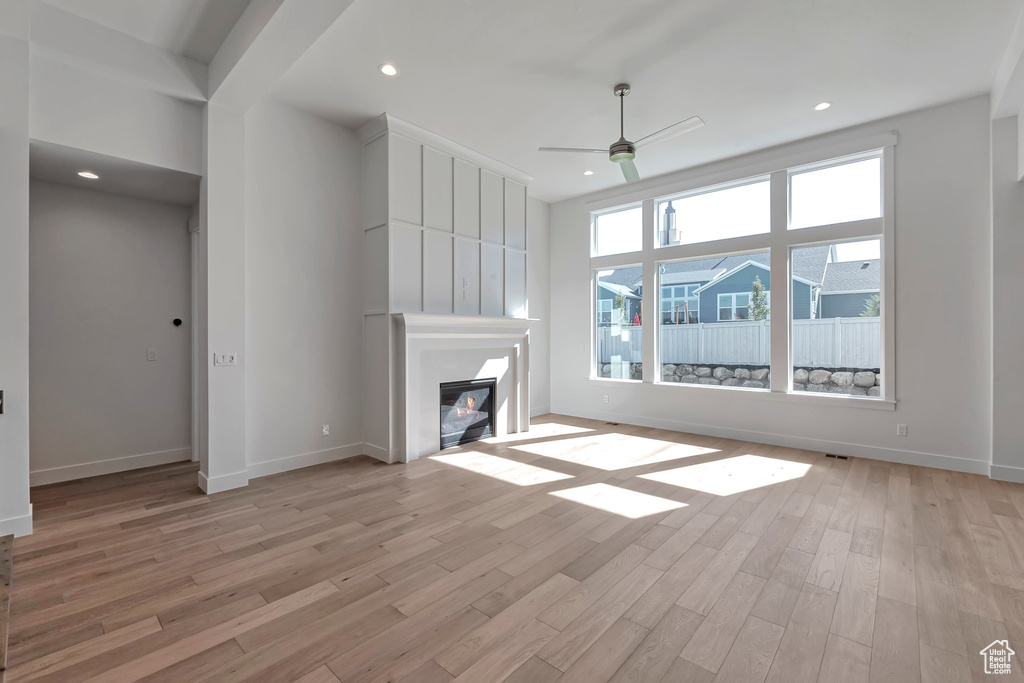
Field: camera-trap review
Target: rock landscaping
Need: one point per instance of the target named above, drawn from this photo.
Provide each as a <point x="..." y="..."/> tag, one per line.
<point x="851" y="381"/>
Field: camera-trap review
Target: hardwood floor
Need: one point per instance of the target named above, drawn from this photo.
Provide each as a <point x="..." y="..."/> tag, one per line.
<point x="579" y="552"/>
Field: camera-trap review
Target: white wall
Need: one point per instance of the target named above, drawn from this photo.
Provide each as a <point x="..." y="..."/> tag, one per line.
<point x="1007" y="285"/>
<point x="942" y="255"/>
<point x="78" y="108"/>
<point x="538" y="290"/>
<point x="303" y="289"/>
<point x="108" y="275"/>
<point x="15" y="510"/>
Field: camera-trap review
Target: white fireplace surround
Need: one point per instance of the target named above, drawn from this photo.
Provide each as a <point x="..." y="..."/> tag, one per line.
<point x="431" y="349"/>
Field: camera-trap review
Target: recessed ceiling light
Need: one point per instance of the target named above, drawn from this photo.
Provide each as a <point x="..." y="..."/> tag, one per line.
<point x="89" y="174"/>
<point x="822" y="106"/>
<point x="588" y="173"/>
<point x="388" y="69"/>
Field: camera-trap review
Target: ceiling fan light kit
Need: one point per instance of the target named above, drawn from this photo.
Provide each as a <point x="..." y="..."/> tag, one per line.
<point x="623" y="151"/>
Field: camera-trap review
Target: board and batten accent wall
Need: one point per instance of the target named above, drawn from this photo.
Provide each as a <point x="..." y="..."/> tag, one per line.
<point x="444" y="233"/>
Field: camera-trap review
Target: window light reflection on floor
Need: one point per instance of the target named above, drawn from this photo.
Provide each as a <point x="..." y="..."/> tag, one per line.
<point x="503" y="469"/>
<point x="618" y="501"/>
<point x="614" y="451"/>
<point x="541" y="431"/>
<point x="731" y="475"/>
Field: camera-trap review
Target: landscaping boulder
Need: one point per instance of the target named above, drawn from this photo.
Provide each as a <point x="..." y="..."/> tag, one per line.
<point x="816" y="388"/>
<point x="753" y="384"/>
<point x="688" y="379"/>
<point x="668" y="369"/>
<point x="864" y="379"/>
<point x="730" y="382"/>
<point x="799" y="376"/>
<point x="741" y="373"/>
<point x="759" y="374"/>
<point x="878" y="379"/>
<point x="858" y="391"/>
<point x="670" y="378"/>
<point x="842" y="379"/>
<point x="702" y="372"/>
<point x="874" y="391"/>
<point x="818" y="377"/>
<point x="722" y="373"/>
<point x="707" y="380"/>
<point x="684" y="369"/>
<point x="799" y="387"/>
<point x="606" y="370"/>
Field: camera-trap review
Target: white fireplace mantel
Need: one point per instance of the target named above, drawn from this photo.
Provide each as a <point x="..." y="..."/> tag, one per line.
<point x="431" y="349"/>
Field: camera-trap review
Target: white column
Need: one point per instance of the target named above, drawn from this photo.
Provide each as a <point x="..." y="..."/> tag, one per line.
<point x="15" y="510"/>
<point x="222" y="280"/>
<point x="782" y="284"/>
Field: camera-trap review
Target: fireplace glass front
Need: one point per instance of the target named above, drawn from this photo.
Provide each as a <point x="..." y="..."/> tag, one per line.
<point x="467" y="411"/>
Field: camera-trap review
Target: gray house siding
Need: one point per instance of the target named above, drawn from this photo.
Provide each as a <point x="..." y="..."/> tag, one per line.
<point x="743" y="281"/>
<point x="843" y="305"/>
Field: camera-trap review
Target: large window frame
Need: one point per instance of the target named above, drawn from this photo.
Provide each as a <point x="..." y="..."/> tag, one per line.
<point x="780" y="242"/>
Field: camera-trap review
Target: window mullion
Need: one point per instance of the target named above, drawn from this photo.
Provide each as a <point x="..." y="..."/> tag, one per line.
<point x="780" y="283"/>
<point x="651" y="318"/>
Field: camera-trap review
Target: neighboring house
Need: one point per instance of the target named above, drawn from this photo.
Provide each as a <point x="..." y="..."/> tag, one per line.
<point x="847" y="287"/>
<point x="607" y="293"/>
<point x="720" y="289"/>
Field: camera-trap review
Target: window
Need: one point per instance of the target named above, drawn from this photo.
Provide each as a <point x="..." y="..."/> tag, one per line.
<point x="713" y="252"/>
<point x="837" y="340"/>
<point x="837" y="193"/>
<point x="618" y="317"/>
<point x="679" y="304"/>
<point x="730" y="346"/>
<point x="717" y="213"/>
<point x="618" y="232"/>
<point x="733" y="307"/>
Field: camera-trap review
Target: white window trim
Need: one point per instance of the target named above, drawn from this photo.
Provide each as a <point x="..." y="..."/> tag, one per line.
<point x="780" y="241"/>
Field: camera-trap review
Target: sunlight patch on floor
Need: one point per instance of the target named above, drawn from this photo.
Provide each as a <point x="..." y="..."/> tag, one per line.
<point x="618" y="501"/>
<point x="614" y="451"/>
<point x="541" y="431"/>
<point x="731" y="475"/>
<point x="504" y="469"/>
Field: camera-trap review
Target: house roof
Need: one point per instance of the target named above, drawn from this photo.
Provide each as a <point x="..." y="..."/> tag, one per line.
<point x="852" y="276"/>
<point x="615" y="288"/>
<point x="748" y="262"/>
<point x="808" y="265"/>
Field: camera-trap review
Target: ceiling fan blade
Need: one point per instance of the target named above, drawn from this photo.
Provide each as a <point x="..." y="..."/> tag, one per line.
<point x="692" y="123"/>
<point x="629" y="170"/>
<point x="586" y="150"/>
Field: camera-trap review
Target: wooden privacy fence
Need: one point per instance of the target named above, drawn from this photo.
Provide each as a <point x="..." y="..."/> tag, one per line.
<point x="828" y="343"/>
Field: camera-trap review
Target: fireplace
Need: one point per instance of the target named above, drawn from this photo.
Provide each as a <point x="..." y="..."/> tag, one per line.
<point x="467" y="411"/>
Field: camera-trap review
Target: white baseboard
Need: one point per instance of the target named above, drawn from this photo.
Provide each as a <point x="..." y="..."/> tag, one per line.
<point x="19" y="526"/>
<point x="539" y="410"/>
<point x="1007" y="473"/>
<point x="92" y="469"/>
<point x="224" y="482"/>
<point x="376" y="452"/>
<point x="295" y="462"/>
<point x="944" y="462"/>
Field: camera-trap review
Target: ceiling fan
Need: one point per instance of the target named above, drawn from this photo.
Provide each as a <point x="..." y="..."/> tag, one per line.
<point x="622" y="151"/>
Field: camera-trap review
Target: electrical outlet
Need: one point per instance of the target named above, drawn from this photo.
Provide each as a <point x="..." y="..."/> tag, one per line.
<point x="150" y="354"/>
<point x="606" y="398"/>
<point x="327" y="430"/>
<point x="901" y="430"/>
<point x="222" y="359"/>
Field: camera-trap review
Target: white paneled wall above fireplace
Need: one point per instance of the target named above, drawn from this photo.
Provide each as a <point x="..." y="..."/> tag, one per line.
<point x="455" y="223"/>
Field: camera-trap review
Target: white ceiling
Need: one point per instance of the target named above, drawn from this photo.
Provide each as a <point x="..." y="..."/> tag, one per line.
<point x="59" y="164"/>
<point x="507" y="77"/>
<point x="192" y="28"/>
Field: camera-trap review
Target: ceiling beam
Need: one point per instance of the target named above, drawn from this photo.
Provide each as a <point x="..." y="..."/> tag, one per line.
<point x="82" y="43"/>
<point x="267" y="40"/>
